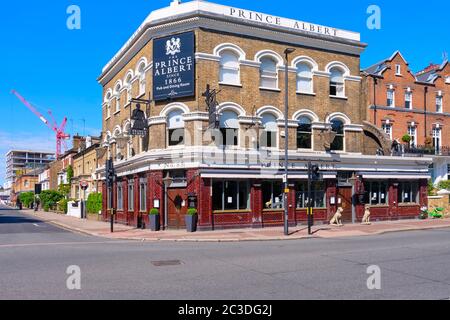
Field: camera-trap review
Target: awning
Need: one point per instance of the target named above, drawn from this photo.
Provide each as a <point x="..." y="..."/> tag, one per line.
<point x="262" y="175"/>
<point x="394" y="175"/>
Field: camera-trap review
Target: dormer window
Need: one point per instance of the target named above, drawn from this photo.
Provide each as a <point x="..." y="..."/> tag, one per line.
<point x="398" y="70"/>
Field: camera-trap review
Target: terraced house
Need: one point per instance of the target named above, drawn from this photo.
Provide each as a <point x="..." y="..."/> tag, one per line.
<point x="227" y="161"/>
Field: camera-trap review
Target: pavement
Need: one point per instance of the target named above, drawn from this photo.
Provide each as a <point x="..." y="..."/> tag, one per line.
<point x="122" y="232"/>
<point x="36" y="259"/>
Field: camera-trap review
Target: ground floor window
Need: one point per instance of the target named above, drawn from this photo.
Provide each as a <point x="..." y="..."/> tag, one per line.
<point x="119" y="196"/>
<point x="408" y="192"/>
<point x="272" y="192"/>
<point x="142" y="196"/>
<point x="131" y="196"/>
<point x="230" y="195"/>
<point x="318" y="194"/>
<point x="376" y="193"/>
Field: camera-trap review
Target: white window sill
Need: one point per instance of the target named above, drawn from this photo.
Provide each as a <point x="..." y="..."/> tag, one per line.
<point x="270" y="89"/>
<point x="140" y="95"/>
<point x="306" y="93"/>
<point x="107" y="118"/>
<point x="230" y="84"/>
<point x="305" y="150"/>
<point x="339" y="97"/>
<point x="118" y="111"/>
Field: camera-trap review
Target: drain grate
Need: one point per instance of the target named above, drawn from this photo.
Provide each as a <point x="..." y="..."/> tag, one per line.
<point x="166" y="263"/>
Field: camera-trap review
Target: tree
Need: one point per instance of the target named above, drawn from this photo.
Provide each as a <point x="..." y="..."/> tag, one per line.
<point x="69" y="174"/>
<point x="27" y="198"/>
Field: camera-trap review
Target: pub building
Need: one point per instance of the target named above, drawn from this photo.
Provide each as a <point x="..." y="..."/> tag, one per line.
<point x="225" y="158"/>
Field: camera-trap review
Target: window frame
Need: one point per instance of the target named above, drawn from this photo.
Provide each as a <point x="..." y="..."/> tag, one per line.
<point x="223" y="193"/>
<point x="131" y="196"/>
<point x="413" y="191"/>
<point x="142" y="196"/>
<point x="392" y="99"/>
<point x="309" y="133"/>
<point x="338" y="135"/>
<point x="119" y="196"/>
<point x="369" y="187"/>
<point x="337" y="85"/>
<point x="387" y="128"/>
<point x="236" y="70"/>
<point x="272" y="195"/>
<point x="309" y="80"/>
<point x="314" y="194"/>
<point x="408" y="99"/>
<point x="439" y="103"/>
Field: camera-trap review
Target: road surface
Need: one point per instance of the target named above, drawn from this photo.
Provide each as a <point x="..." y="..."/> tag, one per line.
<point x="35" y="256"/>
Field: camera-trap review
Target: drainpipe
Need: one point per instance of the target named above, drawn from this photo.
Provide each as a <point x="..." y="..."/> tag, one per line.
<point x="425" y="110"/>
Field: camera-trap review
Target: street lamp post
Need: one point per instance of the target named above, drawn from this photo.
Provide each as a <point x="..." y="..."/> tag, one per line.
<point x="286" y="139"/>
<point x="167" y="181"/>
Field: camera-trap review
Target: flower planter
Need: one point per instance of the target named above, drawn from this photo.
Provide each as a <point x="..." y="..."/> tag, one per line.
<point x="191" y="223"/>
<point x="154" y="222"/>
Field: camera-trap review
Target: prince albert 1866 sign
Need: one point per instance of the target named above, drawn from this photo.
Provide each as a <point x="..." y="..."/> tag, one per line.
<point x="174" y="66"/>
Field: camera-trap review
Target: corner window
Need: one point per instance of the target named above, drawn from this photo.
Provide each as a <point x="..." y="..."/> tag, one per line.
<point x="376" y="193"/>
<point x="304" y="78"/>
<point x="272" y="192"/>
<point x="175" y="128"/>
<point x="269" y="134"/>
<point x="119" y="196"/>
<point x="317" y="195"/>
<point x="304" y="133"/>
<point x="338" y="127"/>
<point x="131" y="196"/>
<point x="142" y="196"/>
<point x="230" y="195"/>
<point x="229" y="68"/>
<point x="337" y="84"/>
<point x="268" y="73"/>
<point x="408" y="192"/>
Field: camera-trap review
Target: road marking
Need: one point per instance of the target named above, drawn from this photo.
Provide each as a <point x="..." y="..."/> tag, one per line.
<point x="61" y="244"/>
<point x="36" y="225"/>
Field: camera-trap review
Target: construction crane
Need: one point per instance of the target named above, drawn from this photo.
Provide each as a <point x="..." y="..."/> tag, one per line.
<point x="61" y="136"/>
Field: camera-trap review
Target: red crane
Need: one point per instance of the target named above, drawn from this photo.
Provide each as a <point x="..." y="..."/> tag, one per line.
<point x="61" y="136"/>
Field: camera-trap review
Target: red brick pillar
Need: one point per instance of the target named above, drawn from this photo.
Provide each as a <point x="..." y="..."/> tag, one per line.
<point x="105" y="201"/>
<point x="393" y="200"/>
<point x="205" y="217"/>
<point x="256" y="204"/>
<point x="291" y="205"/>
<point x="125" y="199"/>
<point x="136" y="199"/>
<point x="156" y="188"/>
<point x="423" y="190"/>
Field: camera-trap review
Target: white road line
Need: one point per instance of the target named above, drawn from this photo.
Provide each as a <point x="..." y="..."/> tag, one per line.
<point x="61" y="244"/>
<point x="36" y="225"/>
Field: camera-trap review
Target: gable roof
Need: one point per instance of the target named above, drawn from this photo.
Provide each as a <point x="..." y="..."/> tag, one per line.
<point x="379" y="68"/>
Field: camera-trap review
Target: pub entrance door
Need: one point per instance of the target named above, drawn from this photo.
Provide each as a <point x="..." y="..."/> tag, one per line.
<point x="177" y="208"/>
<point x="345" y="195"/>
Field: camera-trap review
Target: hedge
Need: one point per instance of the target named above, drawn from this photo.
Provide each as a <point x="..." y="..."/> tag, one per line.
<point x="94" y="203"/>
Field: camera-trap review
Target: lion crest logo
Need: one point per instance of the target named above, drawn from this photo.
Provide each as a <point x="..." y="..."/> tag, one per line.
<point x="173" y="46"/>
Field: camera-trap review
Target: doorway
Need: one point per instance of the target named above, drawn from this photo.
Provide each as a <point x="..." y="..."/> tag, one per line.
<point x="177" y="208"/>
<point x="345" y="201"/>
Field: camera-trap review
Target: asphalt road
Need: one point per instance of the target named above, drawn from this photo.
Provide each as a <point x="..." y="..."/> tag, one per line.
<point x="34" y="258"/>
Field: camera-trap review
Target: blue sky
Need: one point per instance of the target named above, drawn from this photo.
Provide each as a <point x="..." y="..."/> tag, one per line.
<point x="56" y="68"/>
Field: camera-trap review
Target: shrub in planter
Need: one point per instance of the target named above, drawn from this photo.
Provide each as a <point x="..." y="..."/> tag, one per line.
<point x="154" y="219"/>
<point x="94" y="203"/>
<point x="191" y="220"/>
<point x="62" y="205"/>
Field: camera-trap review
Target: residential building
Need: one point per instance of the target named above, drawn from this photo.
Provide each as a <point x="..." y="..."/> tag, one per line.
<point x="415" y="105"/>
<point x="228" y="162"/>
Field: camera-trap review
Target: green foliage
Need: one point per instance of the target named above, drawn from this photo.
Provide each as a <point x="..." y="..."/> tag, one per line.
<point x="27" y="198"/>
<point x="444" y="185"/>
<point x="50" y="199"/>
<point x="69" y="174"/>
<point x="154" y="212"/>
<point x="94" y="203"/>
<point x="192" y="212"/>
<point x="406" y="138"/>
<point x="431" y="189"/>
<point x="64" y="190"/>
<point x="62" y="205"/>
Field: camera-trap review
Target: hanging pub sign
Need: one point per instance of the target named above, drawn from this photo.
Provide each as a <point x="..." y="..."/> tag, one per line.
<point x="139" y="123"/>
<point x="174" y="66"/>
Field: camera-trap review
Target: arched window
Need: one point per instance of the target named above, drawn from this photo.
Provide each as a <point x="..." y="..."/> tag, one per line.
<point x="304" y="133"/>
<point x="270" y="131"/>
<point x="108" y="104"/>
<point x="117" y="89"/>
<point x="338" y="127"/>
<point x="128" y="86"/>
<point x="337" y="83"/>
<point x="229" y="128"/>
<point x="268" y="73"/>
<point x="142" y="81"/>
<point x="229" y="68"/>
<point x="175" y="128"/>
<point x="304" y="78"/>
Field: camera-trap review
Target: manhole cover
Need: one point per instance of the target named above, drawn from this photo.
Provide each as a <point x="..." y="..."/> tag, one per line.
<point x="166" y="263"/>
